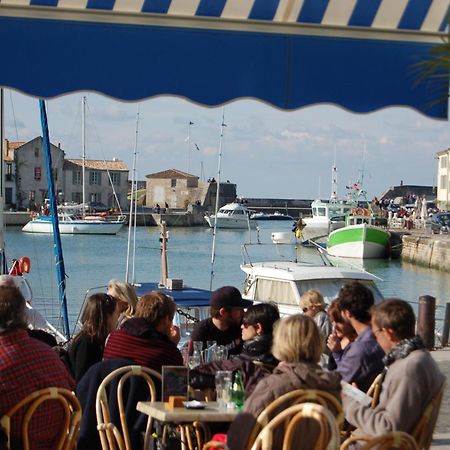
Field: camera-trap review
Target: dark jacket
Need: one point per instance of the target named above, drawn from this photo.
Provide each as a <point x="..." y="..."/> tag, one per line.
<point x="84" y="352"/>
<point x="86" y="391"/>
<point x="285" y="378"/>
<point x="255" y="362"/>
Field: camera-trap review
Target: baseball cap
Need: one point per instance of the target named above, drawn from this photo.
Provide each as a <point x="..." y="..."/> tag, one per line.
<point x="228" y="297"/>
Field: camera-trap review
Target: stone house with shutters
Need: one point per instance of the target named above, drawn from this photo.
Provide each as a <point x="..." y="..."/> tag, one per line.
<point x="97" y="184"/>
<point x="443" y="180"/>
<point x="25" y="173"/>
<point x="26" y="180"/>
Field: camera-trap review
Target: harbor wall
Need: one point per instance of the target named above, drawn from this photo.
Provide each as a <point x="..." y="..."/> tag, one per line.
<point x="433" y="252"/>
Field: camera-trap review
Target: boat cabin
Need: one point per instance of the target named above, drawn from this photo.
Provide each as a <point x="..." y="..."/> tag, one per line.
<point x="285" y="282"/>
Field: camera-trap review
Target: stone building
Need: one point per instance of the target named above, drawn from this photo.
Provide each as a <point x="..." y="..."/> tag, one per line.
<point x="443" y="180"/>
<point x="179" y="190"/>
<point x="26" y="184"/>
<point x="26" y="171"/>
<point x="97" y="183"/>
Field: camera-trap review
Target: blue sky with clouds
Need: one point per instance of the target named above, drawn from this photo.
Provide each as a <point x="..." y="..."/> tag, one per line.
<point x="266" y="152"/>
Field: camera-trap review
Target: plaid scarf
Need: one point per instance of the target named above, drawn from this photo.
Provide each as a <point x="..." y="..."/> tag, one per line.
<point x="403" y="349"/>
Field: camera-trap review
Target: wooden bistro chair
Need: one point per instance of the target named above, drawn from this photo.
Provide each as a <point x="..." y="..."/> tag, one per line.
<point x="292" y="420"/>
<point x="110" y="436"/>
<point x="374" y="390"/>
<point x="398" y="440"/>
<point x="70" y="409"/>
<point x="423" y="431"/>
<point x="322" y="398"/>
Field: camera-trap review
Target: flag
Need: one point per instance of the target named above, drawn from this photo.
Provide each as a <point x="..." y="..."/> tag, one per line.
<point x="191" y="123"/>
<point x="196" y="146"/>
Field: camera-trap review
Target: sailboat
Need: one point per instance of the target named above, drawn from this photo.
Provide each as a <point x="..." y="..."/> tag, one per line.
<point x="73" y="219"/>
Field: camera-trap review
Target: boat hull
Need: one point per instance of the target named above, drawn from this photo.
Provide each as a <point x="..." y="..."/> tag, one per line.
<point x="358" y="241"/>
<point x="231" y="223"/>
<point x="73" y="227"/>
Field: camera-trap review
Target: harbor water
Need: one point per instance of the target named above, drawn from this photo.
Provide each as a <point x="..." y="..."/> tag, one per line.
<point x="90" y="261"/>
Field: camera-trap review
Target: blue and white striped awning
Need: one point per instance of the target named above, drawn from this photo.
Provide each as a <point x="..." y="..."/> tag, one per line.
<point x="359" y="54"/>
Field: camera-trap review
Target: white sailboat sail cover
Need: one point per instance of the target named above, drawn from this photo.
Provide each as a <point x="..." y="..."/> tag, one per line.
<point x="359" y="54"/>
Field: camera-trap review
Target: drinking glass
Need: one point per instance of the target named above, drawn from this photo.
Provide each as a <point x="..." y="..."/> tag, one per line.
<point x="198" y="346"/>
<point x="195" y="359"/>
<point x="223" y="387"/>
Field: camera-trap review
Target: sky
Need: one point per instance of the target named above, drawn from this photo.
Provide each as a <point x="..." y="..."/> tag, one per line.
<point x="267" y="152"/>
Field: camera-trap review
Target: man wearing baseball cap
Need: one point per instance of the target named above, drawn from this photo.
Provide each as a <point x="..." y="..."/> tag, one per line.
<point x="224" y="326"/>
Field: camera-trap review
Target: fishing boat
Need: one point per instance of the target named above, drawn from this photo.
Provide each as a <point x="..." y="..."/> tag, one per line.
<point x="283" y="282"/>
<point x="73" y="218"/>
<point x="275" y="216"/>
<point x="360" y="238"/>
<point x="233" y="215"/>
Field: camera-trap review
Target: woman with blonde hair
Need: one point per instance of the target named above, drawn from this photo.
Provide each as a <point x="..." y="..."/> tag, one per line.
<point x="298" y="345"/>
<point x="313" y="305"/>
<point x="126" y="296"/>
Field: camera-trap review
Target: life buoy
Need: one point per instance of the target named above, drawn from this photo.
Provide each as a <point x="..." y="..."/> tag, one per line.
<point x="24" y="264"/>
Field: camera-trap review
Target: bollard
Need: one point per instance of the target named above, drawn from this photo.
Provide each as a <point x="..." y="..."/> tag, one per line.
<point x="446" y="328"/>
<point x="426" y="320"/>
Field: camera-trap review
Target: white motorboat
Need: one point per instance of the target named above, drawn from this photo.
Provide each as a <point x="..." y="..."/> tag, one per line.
<point x="284" y="282"/>
<point x="232" y="215"/>
<point x="275" y="216"/>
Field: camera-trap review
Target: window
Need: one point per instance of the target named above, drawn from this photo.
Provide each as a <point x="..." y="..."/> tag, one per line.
<point x="36" y="152"/>
<point x="76" y="197"/>
<point x="9" y="174"/>
<point x="55" y="174"/>
<point x="322" y="212"/>
<point x="443" y="162"/>
<point x="8" y="195"/>
<point x="173" y="182"/>
<point x="274" y="290"/>
<point x="95" y="197"/>
<point x="115" y="178"/>
<point x="443" y="184"/>
<point x="76" y="177"/>
<point x="37" y="173"/>
<point x="95" y="178"/>
<point x="31" y="195"/>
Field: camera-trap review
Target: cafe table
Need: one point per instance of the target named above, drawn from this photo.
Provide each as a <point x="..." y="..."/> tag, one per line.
<point x="186" y="417"/>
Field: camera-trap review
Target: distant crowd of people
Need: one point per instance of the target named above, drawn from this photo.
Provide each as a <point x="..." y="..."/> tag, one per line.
<point x="352" y="340"/>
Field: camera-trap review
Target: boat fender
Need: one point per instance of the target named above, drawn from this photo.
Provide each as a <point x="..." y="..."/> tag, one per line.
<point x="24" y="264"/>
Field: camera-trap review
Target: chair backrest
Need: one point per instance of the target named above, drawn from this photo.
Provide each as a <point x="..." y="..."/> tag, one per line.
<point x="423" y="431"/>
<point x="375" y="388"/>
<point x="398" y="440"/>
<point x="66" y="438"/>
<point x="324" y="436"/>
<point x="294" y="397"/>
<point x="110" y="435"/>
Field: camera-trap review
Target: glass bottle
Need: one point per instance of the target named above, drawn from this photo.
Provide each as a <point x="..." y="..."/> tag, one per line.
<point x="237" y="390"/>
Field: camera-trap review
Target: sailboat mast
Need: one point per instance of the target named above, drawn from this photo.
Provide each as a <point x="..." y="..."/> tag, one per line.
<point x="334" y="179"/>
<point x="131" y="252"/>
<point x="3" y="265"/>
<point x="216" y="208"/>
<point x="83" y="152"/>
<point x="57" y="247"/>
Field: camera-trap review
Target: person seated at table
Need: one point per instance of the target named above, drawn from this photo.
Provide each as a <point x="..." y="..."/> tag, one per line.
<point x="364" y="359"/>
<point x="256" y="359"/>
<point x="149" y="338"/>
<point x="412" y="378"/>
<point x="297" y="344"/>
<point x="340" y="339"/>
<point x="227" y="310"/>
<point x="126" y="296"/>
<point x="313" y="305"/>
<point x="99" y="318"/>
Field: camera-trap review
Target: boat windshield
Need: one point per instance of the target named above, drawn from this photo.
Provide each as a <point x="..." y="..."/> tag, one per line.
<point x="329" y="288"/>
